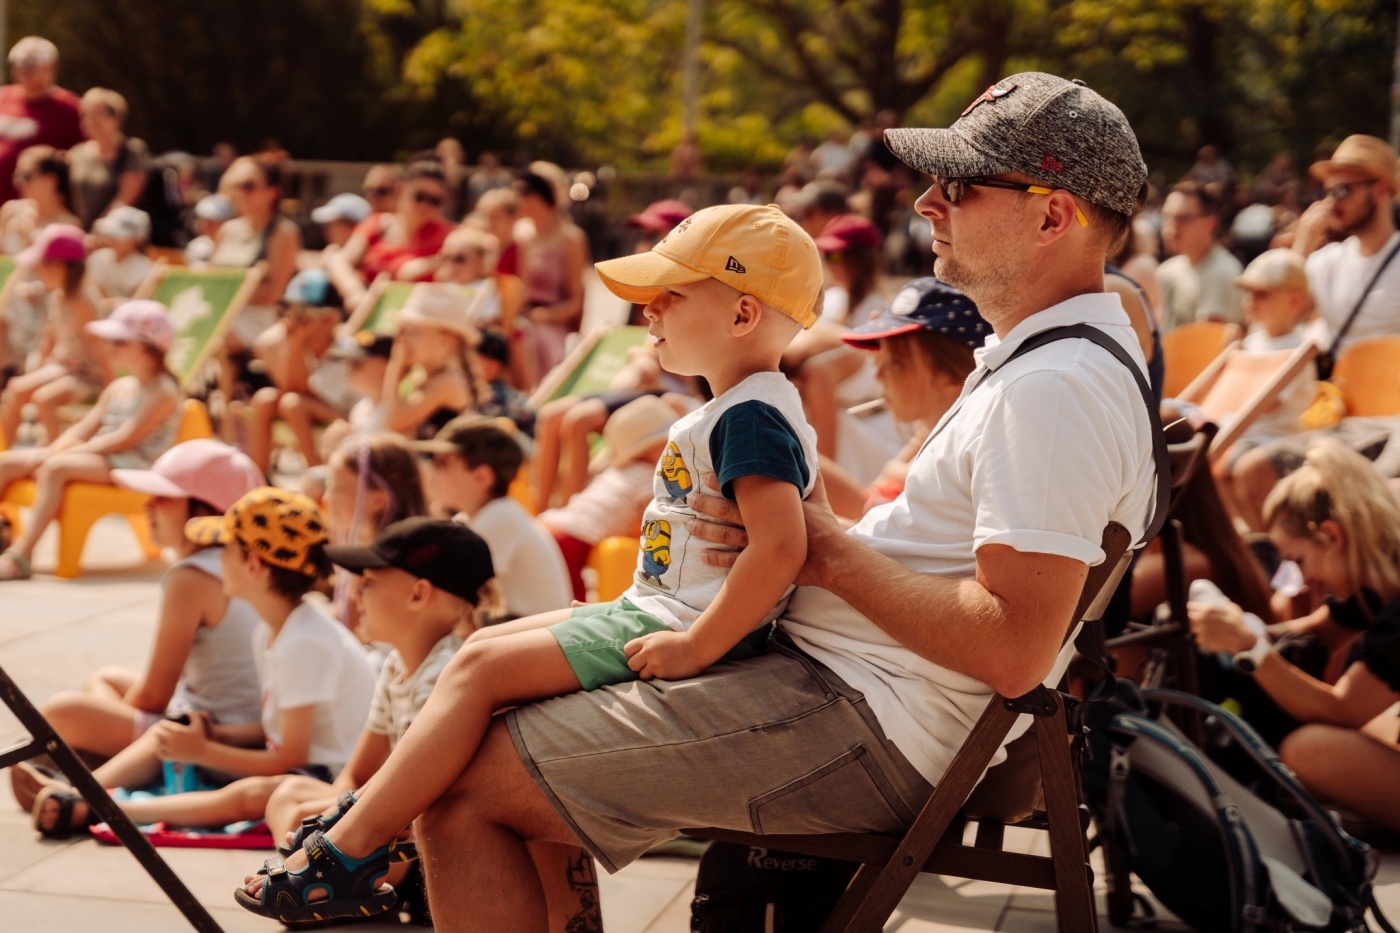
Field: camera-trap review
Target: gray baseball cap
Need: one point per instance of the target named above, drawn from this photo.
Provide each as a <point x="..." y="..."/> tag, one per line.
<point x="1056" y="131"/>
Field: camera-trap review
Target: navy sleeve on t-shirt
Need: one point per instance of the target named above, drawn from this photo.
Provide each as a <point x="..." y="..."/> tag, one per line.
<point x="754" y="439"/>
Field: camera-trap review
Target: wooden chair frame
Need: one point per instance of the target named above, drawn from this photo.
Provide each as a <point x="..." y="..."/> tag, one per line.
<point x="889" y="864"/>
<point x="1289" y="366"/>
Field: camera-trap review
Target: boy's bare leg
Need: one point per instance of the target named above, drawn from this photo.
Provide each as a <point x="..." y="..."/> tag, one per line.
<point x="527" y="624"/>
<point x="295" y="799"/>
<point x="482" y="678"/>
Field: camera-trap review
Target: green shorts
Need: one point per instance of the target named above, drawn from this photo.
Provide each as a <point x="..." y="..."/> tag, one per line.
<point x="593" y="636"/>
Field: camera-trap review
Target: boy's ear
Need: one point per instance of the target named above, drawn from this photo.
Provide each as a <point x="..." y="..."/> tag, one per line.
<point x="748" y="311"/>
<point x="421" y="593"/>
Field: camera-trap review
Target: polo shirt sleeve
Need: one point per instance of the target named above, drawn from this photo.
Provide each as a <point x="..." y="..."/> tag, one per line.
<point x="754" y="439"/>
<point x="1050" y="464"/>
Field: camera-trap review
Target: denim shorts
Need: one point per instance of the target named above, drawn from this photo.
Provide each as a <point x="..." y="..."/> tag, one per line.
<point x="772" y="744"/>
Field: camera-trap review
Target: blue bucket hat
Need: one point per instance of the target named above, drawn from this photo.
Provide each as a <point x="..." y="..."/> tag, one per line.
<point x="924" y="304"/>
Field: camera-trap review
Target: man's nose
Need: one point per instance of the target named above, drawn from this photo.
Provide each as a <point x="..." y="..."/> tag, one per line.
<point x="931" y="202"/>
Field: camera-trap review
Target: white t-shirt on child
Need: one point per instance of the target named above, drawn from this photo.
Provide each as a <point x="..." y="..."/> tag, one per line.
<point x="314" y="661"/>
<point x="399" y="695"/>
<point x="530" y="571"/>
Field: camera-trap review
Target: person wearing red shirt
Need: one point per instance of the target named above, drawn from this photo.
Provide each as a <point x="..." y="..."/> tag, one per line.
<point x="34" y="110"/>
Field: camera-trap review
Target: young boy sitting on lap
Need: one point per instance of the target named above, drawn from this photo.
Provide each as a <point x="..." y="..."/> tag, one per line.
<point x="725" y="293"/>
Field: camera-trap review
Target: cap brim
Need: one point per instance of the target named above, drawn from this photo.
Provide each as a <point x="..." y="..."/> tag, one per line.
<point x="109" y="329"/>
<point x="640" y="277"/>
<point x="940" y="152"/>
<point x="355" y="558"/>
<point x="149" y="482"/>
<point x="869" y="335"/>
<point x="211" y="529"/>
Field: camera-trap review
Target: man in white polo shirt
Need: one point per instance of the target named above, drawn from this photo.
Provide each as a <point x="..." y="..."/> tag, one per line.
<point x="902" y="629"/>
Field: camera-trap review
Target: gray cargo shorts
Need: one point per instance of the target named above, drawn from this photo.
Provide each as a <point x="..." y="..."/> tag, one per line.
<point x="773" y="744"/>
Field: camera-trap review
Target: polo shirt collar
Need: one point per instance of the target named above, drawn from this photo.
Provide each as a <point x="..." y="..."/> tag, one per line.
<point x="1095" y="308"/>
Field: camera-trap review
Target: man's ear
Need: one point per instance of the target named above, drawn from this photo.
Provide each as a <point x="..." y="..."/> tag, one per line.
<point x="1058" y="215"/>
<point x="748" y="312"/>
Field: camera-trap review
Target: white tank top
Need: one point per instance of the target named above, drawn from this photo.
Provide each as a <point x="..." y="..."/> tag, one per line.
<point x="220" y="675"/>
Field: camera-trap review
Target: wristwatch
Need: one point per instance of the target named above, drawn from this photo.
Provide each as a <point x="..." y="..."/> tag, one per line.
<point x="1248" y="661"/>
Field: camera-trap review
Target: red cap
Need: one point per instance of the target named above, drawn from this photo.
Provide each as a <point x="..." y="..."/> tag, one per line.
<point x="845" y="231"/>
<point x="661" y="216"/>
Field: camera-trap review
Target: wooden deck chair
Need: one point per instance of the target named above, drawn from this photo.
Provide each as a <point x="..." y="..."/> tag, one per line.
<point x="1189" y="349"/>
<point x="1240" y="385"/>
<point x="203" y="304"/>
<point x="43" y="740"/>
<point x="890" y="863"/>
<point x="85" y="503"/>
<point x="1368" y="374"/>
<point x="378" y="311"/>
<point x="591" y="365"/>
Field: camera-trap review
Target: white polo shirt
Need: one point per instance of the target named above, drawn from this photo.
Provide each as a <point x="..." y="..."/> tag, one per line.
<point x="1044" y="454"/>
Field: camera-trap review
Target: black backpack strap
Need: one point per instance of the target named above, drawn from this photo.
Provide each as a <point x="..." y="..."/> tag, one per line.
<point x="1328" y="359"/>
<point x="1154" y="417"/>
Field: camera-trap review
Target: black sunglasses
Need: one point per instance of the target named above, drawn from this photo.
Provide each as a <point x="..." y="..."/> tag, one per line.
<point x="383" y="191"/>
<point x="955" y="189"/>
<point x="434" y="200"/>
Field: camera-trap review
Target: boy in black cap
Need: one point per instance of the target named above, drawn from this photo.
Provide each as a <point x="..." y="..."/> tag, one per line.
<point x="424" y="582"/>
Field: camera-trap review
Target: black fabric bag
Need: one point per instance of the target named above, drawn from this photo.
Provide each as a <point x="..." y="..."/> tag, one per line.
<point x="754" y="889"/>
<point x="1240" y="850"/>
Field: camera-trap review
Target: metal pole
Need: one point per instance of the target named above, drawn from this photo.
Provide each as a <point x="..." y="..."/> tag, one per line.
<point x="690" y="79"/>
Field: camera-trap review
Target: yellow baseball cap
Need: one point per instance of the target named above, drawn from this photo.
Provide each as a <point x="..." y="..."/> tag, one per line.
<point x="758" y="250"/>
<point x="278" y="527"/>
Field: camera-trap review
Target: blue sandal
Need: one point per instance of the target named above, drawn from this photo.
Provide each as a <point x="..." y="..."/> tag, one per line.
<point x="318" y="823"/>
<point x="352" y="886"/>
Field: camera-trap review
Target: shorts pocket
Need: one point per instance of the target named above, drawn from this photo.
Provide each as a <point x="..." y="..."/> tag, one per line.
<point x="847" y="794"/>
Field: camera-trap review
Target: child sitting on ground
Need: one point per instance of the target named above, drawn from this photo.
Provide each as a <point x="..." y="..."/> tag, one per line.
<point x="470" y="467"/>
<point x="614" y="502"/>
<point x="202" y="652"/>
<point x="758" y="282"/>
<point x="117" y="269"/>
<point x="68" y="365"/>
<point x="425" y="583"/>
<point x="316" y="683"/>
<point x="134" y="421"/>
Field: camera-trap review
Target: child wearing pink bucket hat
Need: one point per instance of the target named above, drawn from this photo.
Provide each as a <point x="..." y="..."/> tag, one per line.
<point x="133" y="423"/>
<point x="201" y="658"/>
<point x="70" y="366"/>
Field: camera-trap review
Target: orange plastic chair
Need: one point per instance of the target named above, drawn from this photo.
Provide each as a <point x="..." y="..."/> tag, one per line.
<point x="1368" y="374"/>
<point x="85" y="503"/>
<point x="1187" y="350"/>
<point x="614" y="560"/>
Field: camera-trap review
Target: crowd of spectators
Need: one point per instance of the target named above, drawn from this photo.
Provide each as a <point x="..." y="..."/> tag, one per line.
<point x="443" y="415"/>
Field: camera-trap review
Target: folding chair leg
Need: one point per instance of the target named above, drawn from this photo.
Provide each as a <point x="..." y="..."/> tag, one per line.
<point x="1074" y="894"/>
<point x="45" y="739"/>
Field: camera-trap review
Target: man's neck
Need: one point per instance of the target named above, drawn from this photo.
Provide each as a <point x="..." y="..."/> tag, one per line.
<point x="1198" y="255"/>
<point x="1005" y="312"/>
<point x="1378" y="232"/>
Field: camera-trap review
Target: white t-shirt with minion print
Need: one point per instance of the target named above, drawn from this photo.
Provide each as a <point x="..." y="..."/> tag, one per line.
<point x="757" y="428"/>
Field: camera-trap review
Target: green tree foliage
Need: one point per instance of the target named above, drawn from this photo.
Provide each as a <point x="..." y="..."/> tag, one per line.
<point x="1253" y="76"/>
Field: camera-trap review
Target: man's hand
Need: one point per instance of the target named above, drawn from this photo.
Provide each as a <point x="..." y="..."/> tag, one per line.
<point x="663" y="656"/>
<point x="824" y="531"/>
<point x="1311" y="232"/>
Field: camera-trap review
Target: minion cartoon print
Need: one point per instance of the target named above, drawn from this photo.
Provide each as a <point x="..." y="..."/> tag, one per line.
<point x="675" y="474"/>
<point x="656" y="551"/>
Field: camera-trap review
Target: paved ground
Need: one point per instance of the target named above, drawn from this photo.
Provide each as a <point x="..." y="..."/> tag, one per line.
<point x="54" y="632"/>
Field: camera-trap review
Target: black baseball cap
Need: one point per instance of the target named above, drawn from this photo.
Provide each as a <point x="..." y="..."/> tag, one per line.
<point x="924" y="304"/>
<point x="447" y="554"/>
